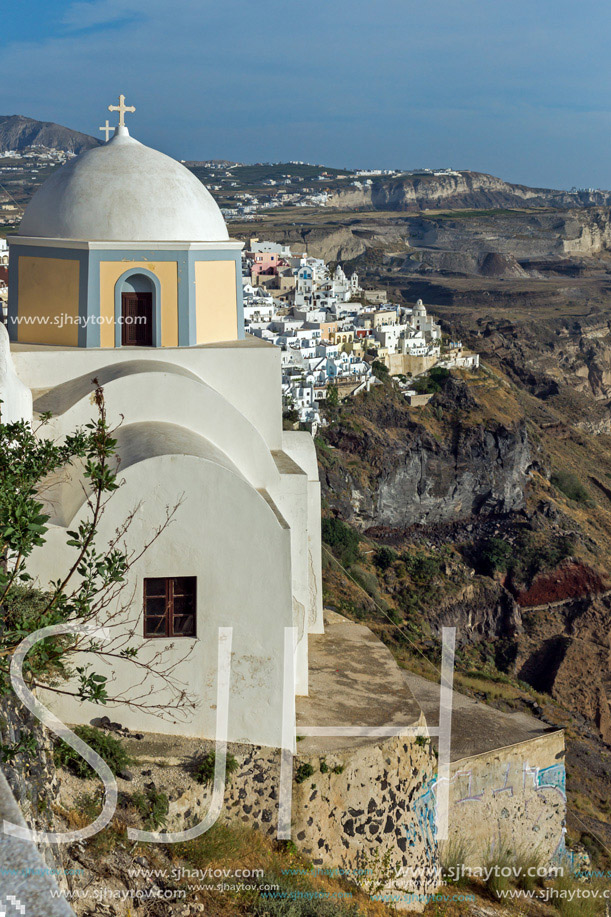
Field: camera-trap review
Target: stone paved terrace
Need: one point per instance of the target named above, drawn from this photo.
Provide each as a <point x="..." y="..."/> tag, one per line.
<point x="476" y="727"/>
<point x="354" y="681"/>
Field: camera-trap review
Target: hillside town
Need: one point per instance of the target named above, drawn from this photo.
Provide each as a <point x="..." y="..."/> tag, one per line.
<point x="333" y="333"/>
<point x="21" y="171"/>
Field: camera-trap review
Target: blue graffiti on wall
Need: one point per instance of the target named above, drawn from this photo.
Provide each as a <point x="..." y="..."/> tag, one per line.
<point x="552" y="776"/>
<point x="425" y="812"/>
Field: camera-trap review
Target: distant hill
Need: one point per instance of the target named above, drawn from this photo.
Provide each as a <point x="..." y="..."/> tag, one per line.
<point x="458" y="190"/>
<point x="19" y="133"/>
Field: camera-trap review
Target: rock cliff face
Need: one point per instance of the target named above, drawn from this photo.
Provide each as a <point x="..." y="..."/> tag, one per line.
<point x="404" y="474"/>
<point x="482" y="470"/>
<point x="566" y="366"/>
<point x="504" y="244"/>
<point x="461" y="189"/>
<point x="565" y="652"/>
<point x="483" y="611"/>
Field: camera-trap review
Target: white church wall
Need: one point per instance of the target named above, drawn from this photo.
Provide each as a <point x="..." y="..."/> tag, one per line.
<point x="291" y="497"/>
<point x="242" y="581"/>
<point x="245" y="372"/>
<point x="15" y="396"/>
<point x="315" y="606"/>
<point x="165" y="393"/>
<point x="300" y="446"/>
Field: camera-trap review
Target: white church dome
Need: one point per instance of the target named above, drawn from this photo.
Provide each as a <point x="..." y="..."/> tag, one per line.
<point x="124" y="191"/>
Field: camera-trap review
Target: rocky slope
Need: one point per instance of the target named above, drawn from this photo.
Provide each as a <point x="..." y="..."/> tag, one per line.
<point x="503" y="244"/>
<point x="565" y="651"/>
<point x="18" y="133"/>
<point x="457" y="190"/>
<point x="387" y="469"/>
<point x="485" y="512"/>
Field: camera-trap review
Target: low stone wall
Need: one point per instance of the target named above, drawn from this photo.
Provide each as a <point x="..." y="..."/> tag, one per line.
<point x="27" y="758"/>
<point x="418" y="401"/>
<point x="375" y="819"/>
<point x="27" y="885"/>
<point x="512" y="798"/>
<point x="30" y="773"/>
<point x="366" y="811"/>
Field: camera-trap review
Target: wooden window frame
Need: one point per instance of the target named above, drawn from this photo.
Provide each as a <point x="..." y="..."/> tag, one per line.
<point x="169" y="608"/>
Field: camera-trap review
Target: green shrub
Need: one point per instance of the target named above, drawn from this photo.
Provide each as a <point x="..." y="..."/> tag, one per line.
<point x="109" y="748"/>
<point x="342" y="539"/>
<point x="496" y="555"/>
<point x="570" y="485"/>
<point x="439" y="374"/>
<point x="88" y="805"/>
<point x="579" y="898"/>
<point x="204" y="767"/>
<point x="421" y="567"/>
<point x="367" y="580"/>
<point x="152" y="807"/>
<point x="379" y="369"/>
<point x="453" y="855"/>
<point x="303" y="772"/>
<point x="332" y="396"/>
<point x="528" y="860"/>
<point x="532" y="556"/>
<point x="497" y="860"/>
<point x="291" y="901"/>
<point x="432" y="382"/>
<point x="384" y="557"/>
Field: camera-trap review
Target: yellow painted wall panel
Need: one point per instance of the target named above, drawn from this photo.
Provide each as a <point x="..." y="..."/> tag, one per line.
<point x="167" y="274"/>
<point x="48" y="301"/>
<point x="216" y="301"/>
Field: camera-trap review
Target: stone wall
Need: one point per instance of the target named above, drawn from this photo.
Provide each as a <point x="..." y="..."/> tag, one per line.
<point x="369" y="811"/>
<point x="28" y="785"/>
<point x="404" y="363"/>
<point x="27" y="761"/>
<point x="376" y="817"/>
<point x="366" y="810"/>
<point x="512" y="798"/>
<point x="27" y="885"/>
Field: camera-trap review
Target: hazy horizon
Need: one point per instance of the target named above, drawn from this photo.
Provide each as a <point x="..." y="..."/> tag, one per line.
<point x="518" y="92"/>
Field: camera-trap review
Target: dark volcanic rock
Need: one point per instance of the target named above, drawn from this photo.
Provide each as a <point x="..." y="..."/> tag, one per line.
<point x="483" y="471"/>
<point x="419" y="478"/>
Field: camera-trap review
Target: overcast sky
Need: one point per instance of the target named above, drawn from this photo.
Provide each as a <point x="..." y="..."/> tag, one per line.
<point x="517" y="88"/>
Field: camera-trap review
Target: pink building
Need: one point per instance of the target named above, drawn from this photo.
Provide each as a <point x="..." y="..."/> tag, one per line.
<point x="261" y="262"/>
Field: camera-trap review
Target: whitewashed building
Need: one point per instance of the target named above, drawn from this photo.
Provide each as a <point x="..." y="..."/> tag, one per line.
<point x="124" y="231"/>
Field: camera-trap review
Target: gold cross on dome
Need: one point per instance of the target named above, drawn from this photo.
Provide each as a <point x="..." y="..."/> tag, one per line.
<point x="121" y="108"/>
<point x="108" y="129"/>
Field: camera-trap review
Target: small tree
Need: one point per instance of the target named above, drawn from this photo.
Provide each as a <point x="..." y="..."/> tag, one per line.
<point x="380" y="370"/>
<point x="333" y="396"/>
<point x="384" y="557"/>
<point x="90" y="590"/>
<point x="496" y="555"/>
<point x="342" y="539"/>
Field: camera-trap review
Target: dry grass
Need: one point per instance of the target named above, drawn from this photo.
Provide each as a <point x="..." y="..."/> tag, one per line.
<point x="231" y="847"/>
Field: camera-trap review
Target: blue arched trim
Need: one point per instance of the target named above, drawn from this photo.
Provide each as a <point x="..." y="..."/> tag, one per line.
<point x="156" y="303"/>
